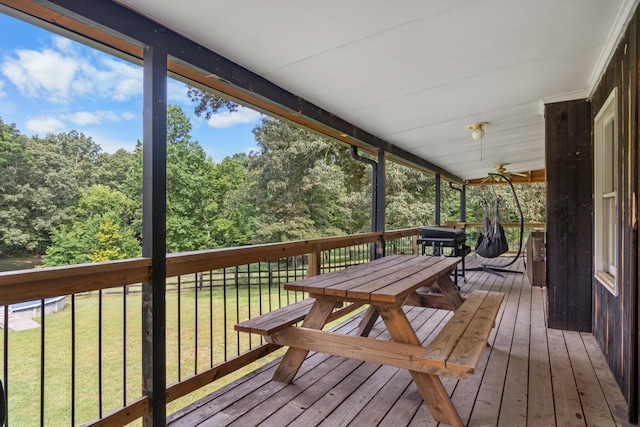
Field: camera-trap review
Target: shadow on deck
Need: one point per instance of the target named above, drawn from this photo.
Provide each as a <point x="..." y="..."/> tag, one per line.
<point x="530" y="375"/>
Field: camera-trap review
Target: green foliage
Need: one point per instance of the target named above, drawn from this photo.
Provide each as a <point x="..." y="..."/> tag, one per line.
<point x="108" y="242"/>
<point x="233" y="192"/>
<point x="37" y="191"/>
<point x="532" y="198"/>
<point x="299" y="184"/>
<point x="81" y="154"/>
<point x="410" y="199"/>
<point x="67" y="247"/>
<point x="100" y="231"/>
<point x="63" y="195"/>
<point x="99" y="199"/>
<point x="207" y="103"/>
<point x="191" y="205"/>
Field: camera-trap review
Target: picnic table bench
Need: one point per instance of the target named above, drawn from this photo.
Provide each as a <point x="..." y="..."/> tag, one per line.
<point x="386" y="285"/>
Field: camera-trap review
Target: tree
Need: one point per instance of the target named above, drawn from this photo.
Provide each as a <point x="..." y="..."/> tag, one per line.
<point x="233" y="190"/>
<point x="97" y="238"/>
<point x="300" y="189"/>
<point x="191" y="201"/>
<point x="110" y="243"/>
<point x="37" y="188"/>
<point x="410" y="198"/>
<point x="116" y="170"/>
<point x="100" y="199"/>
<point x="82" y="155"/>
<point x="207" y="103"/>
<point x="100" y="230"/>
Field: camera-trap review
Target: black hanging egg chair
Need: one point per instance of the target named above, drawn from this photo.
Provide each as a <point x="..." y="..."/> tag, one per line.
<point x="493" y="242"/>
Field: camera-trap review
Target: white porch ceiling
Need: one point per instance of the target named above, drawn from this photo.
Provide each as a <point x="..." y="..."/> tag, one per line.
<point x="417" y="72"/>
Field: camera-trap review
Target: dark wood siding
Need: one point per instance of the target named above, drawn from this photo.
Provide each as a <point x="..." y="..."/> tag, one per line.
<point x="569" y="214"/>
<point x="615" y="317"/>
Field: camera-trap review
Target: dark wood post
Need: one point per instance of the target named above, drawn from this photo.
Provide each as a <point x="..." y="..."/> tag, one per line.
<point x="569" y="214"/>
<point x="380" y="205"/>
<point x="154" y="151"/>
<point x="438" y="199"/>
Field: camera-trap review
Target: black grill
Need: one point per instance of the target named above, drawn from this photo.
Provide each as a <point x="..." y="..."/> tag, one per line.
<point x="438" y="238"/>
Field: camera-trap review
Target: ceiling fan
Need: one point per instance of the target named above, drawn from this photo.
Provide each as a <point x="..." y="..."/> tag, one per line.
<point x="501" y="171"/>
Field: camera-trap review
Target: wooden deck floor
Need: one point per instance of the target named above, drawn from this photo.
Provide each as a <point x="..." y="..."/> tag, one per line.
<point x="529" y="376"/>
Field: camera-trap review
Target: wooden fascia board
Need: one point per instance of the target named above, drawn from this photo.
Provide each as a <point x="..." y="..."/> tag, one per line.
<point x="535" y="176"/>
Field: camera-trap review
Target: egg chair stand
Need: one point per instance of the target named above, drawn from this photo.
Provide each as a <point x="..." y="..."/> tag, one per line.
<point x="497" y="228"/>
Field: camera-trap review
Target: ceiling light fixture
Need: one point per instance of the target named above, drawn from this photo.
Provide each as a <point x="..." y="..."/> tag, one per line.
<point x="477" y="130"/>
<point x="477" y="133"/>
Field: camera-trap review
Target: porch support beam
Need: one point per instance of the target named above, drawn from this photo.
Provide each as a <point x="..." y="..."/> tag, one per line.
<point x="381" y="188"/>
<point x="568" y="156"/>
<point x="463" y="200"/>
<point x="438" y="199"/>
<point x="154" y="152"/>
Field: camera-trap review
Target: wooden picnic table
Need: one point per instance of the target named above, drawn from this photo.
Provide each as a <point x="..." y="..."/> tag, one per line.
<point x="385" y="286"/>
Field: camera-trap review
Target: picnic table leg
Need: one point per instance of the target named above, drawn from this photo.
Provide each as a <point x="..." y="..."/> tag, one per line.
<point x="430" y="387"/>
<point x="368" y="320"/>
<point x="450" y="291"/>
<point x="294" y="357"/>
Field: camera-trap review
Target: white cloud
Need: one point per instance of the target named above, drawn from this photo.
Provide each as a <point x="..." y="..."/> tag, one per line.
<point x="229" y="119"/>
<point x="2" y="92"/>
<point x="83" y="118"/>
<point x="44" y="125"/>
<point x="63" y="44"/>
<point x="61" y="73"/>
<point x="116" y="79"/>
<point x="46" y="73"/>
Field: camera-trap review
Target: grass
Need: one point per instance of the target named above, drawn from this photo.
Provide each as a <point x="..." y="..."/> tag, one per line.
<point x="199" y="331"/>
<point x="191" y="346"/>
<point x="22" y="263"/>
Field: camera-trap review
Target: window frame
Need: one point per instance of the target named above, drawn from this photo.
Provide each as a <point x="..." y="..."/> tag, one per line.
<point x="606" y="198"/>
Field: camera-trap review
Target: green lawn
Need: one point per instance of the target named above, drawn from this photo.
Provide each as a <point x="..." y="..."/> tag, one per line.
<point x="192" y="346"/>
<point x="201" y="344"/>
<point x="22" y="263"/>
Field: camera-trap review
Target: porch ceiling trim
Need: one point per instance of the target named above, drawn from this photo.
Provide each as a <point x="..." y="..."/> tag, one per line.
<point x="109" y="24"/>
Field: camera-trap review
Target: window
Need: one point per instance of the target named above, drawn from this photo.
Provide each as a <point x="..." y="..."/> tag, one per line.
<point x="606" y="193"/>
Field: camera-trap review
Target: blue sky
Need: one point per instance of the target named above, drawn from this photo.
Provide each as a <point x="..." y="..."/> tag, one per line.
<point x="50" y="84"/>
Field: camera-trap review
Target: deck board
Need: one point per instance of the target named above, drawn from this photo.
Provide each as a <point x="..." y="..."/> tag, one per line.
<point x="540" y="396"/>
<point x="528" y="375"/>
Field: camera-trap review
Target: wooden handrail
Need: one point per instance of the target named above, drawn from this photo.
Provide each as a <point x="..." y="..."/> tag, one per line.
<point x="540" y="225"/>
<point x="213" y="259"/>
<point x="40" y="283"/>
<point x="398" y="234"/>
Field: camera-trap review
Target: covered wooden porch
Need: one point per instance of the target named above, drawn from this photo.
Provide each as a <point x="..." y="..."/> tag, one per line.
<point x="530" y="375"/>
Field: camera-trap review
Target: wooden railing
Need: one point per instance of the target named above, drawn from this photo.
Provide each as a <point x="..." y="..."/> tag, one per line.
<point x="473" y="228"/>
<point x="39" y="284"/>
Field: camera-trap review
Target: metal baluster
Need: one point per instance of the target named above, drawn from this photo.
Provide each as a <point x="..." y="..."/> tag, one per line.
<point x="42" y="353"/>
<point x="195" y="357"/>
<point x="211" y="318"/>
<point x="124" y="345"/>
<point x="73" y="359"/>
<point x="179" y="329"/>
<point x="100" y="353"/>
<point x="5" y="367"/>
<point x="237" y="283"/>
